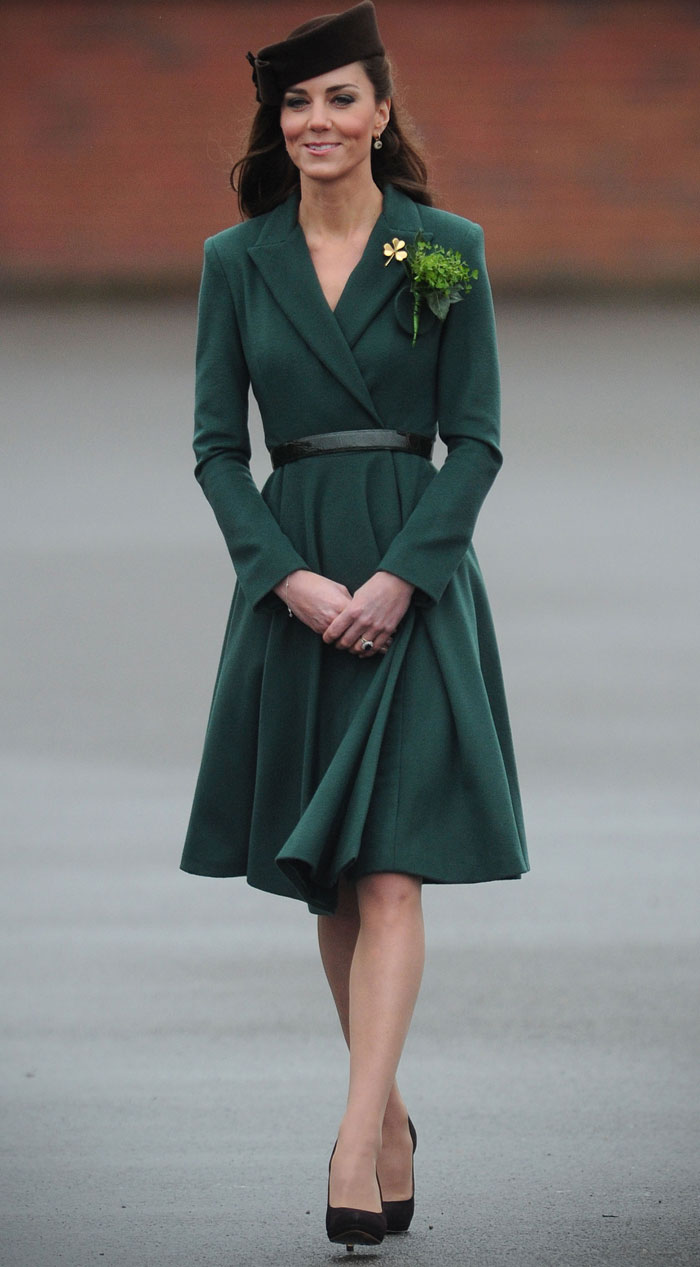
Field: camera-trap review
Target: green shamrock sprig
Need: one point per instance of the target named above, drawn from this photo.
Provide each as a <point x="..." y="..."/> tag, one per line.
<point x="438" y="275"/>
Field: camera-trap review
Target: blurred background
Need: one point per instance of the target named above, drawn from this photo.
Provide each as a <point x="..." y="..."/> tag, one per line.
<point x="570" y="130"/>
<point x="159" y="1028"/>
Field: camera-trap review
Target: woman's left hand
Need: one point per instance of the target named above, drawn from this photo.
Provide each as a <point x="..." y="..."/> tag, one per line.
<point x="372" y="615"/>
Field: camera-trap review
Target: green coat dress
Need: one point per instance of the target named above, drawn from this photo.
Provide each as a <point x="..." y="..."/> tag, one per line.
<point x="317" y="763"/>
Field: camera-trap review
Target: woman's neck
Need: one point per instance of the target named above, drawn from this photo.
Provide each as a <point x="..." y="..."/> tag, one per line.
<point x="334" y="210"/>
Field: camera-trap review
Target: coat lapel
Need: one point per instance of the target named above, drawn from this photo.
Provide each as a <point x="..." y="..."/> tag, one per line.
<point x="374" y="282"/>
<point x="282" y="257"/>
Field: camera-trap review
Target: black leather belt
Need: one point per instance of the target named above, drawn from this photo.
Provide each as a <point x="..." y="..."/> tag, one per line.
<point x="351" y="442"/>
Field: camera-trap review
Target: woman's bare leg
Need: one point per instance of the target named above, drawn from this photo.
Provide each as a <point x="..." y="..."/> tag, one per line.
<point x="373" y="952"/>
<point x="337" y="937"/>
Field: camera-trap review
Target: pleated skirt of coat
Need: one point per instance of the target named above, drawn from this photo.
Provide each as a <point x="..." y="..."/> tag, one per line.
<point x="317" y="764"/>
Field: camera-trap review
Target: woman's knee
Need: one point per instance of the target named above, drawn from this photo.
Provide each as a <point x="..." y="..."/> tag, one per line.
<point x="388" y="895"/>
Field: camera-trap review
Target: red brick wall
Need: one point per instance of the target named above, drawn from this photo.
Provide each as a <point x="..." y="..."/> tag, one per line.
<point x="569" y="130"/>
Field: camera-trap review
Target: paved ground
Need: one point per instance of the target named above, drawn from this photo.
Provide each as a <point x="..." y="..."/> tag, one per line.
<point x="171" y="1073"/>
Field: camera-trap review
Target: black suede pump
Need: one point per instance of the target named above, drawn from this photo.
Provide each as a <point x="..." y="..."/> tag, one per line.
<point x="353" y="1227"/>
<point x="399" y="1213"/>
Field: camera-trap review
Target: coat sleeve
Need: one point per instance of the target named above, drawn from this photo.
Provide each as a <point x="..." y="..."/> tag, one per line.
<point x="262" y="555"/>
<point x="437" y="534"/>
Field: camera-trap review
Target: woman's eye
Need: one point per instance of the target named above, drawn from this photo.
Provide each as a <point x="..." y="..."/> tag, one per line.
<point x="298" y="103"/>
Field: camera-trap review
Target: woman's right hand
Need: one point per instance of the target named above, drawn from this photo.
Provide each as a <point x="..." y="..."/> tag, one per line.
<point x="312" y="598"/>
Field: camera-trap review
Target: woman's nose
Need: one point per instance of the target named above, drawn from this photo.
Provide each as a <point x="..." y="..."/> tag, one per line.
<point x="319" y="120"/>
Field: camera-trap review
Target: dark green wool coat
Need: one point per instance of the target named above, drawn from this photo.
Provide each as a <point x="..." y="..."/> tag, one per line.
<point x="315" y="762"/>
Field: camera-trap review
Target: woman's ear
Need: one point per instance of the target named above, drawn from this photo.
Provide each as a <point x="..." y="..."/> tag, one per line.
<point x="382" y="114"/>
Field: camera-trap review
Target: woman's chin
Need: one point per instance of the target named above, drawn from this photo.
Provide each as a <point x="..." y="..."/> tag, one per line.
<point x="321" y="166"/>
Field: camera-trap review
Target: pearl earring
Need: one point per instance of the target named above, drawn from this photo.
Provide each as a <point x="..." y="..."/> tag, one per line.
<point x="378" y="142"/>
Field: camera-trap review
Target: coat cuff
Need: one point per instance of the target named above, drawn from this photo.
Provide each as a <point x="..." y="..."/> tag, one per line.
<point x="258" y="582"/>
<point x="427" y="591"/>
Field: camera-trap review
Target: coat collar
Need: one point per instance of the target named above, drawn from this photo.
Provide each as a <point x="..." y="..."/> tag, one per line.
<point x="374" y="282"/>
<point x="282" y="257"/>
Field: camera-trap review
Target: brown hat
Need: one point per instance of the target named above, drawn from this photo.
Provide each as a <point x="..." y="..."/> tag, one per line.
<point x="319" y="45"/>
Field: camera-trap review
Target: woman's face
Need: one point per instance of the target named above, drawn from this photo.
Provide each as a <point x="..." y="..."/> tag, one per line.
<point x="330" y="121"/>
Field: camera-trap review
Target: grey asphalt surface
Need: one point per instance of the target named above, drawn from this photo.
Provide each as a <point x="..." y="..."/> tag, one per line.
<point x="172" y="1075"/>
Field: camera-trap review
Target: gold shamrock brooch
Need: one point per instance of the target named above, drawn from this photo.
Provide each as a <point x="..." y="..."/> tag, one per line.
<point x="395" y="250"/>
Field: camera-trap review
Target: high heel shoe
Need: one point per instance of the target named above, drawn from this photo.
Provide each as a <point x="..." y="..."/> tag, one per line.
<point x="399" y="1213"/>
<point x="353" y="1227"/>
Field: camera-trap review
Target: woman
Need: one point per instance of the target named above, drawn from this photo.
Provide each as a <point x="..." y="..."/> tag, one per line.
<point x="358" y="740"/>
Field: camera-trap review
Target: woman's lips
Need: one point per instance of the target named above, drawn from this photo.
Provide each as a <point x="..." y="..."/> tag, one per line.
<point x="321" y="147"/>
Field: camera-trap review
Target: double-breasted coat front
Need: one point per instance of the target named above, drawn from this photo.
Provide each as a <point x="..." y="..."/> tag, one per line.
<point x="317" y="763"/>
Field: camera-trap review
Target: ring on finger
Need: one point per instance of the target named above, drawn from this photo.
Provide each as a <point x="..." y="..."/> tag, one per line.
<point x="366" y="644"/>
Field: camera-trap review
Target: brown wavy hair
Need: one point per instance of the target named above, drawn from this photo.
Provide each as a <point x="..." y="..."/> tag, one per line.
<point x="266" y="175"/>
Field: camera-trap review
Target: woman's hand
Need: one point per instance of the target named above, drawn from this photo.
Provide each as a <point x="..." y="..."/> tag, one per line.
<point x="372" y="614"/>
<point x="313" y="598"/>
